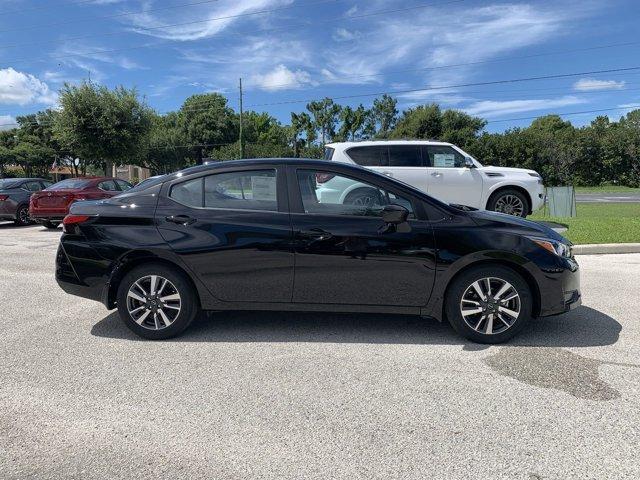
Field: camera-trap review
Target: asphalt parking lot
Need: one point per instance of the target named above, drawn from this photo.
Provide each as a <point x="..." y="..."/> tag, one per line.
<point x="292" y="396"/>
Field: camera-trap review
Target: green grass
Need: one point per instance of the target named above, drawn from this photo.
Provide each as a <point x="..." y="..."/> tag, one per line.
<point x="607" y="189"/>
<point x="600" y="223"/>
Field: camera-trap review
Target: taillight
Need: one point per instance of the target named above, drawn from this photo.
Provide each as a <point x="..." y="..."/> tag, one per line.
<point x="70" y="222"/>
<point x="3" y="197"/>
<point x="324" y="177"/>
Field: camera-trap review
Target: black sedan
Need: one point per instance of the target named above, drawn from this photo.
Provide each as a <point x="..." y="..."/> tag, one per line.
<point x="14" y="197"/>
<point x="308" y="235"/>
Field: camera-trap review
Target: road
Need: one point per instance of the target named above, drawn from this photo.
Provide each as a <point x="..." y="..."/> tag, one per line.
<point x="619" y="197"/>
<point x="316" y="396"/>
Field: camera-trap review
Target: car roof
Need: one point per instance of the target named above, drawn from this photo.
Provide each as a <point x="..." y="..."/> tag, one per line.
<point x="24" y="179"/>
<point x="259" y="161"/>
<point x="371" y="143"/>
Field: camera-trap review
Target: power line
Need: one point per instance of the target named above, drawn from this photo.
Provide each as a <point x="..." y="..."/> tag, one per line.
<point x="494" y="82"/>
<point x="460" y="85"/>
<point x="628" y="107"/>
<point x="205" y="107"/>
<point x="200" y="2"/>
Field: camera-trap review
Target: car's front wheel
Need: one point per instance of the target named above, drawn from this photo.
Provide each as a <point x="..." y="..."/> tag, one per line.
<point x="156" y="301"/>
<point x="509" y="201"/>
<point x="22" y="216"/>
<point x="488" y="304"/>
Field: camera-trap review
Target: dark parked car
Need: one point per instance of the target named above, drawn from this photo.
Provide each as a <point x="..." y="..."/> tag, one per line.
<point x="266" y="235"/>
<point x="51" y="205"/>
<point x="14" y="197"/>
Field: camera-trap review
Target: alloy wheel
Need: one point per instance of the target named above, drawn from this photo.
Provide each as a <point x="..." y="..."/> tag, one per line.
<point x="23" y="216"/>
<point x="153" y="302"/>
<point x="490" y="305"/>
<point x="366" y="200"/>
<point x="510" y="204"/>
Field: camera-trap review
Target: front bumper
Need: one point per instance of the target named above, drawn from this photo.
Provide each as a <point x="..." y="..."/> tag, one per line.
<point x="561" y="290"/>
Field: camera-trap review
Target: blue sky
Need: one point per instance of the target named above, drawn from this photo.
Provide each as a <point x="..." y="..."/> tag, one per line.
<point x="299" y="50"/>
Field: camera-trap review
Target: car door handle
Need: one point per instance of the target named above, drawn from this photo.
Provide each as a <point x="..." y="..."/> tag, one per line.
<point x="180" y="219"/>
<point x="436" y="174"/>
<point x="388" y="174"/>
<point x="315" y="234"/>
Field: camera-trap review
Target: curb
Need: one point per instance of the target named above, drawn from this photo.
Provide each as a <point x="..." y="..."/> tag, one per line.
<point x="603" y="248"/>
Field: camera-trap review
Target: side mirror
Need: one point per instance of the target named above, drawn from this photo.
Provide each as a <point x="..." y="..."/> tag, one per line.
<point x="394" y="214"/>
<point x="468" y="163"/>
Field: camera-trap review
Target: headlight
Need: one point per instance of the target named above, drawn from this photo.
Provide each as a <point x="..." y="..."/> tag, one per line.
<point x="553" y="246"/>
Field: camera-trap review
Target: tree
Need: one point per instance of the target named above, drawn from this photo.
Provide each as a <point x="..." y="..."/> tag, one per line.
<point x="384" y="115"/>
<point x="102" y="126"/>
<point x="208" y="123"/>
<point x="325" y="114"/>
<point x="166" y="148"/>
<point x="422" y="122"/>
<point x="353" y="123"/>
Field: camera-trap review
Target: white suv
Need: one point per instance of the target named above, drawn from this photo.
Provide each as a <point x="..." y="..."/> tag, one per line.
<point x="445" y="172"/>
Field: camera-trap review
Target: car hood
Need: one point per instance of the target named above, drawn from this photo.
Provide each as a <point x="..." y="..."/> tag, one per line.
<point x="489" y="168"/>
<point x="516" y="225"/>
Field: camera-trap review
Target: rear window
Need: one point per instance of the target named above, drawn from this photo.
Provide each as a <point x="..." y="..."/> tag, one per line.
<point x="328" y="153"/>
<point x="69" y="184"/>
<point x="7" y="183"/>
<point x="373" y="156"/>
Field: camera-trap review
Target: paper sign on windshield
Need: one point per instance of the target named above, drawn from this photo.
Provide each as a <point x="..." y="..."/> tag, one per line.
<point x="263" y="188"/>
<point x="444" y="160"/>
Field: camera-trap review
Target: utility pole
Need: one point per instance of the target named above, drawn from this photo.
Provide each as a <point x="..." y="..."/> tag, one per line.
<point x="241" y="140"/>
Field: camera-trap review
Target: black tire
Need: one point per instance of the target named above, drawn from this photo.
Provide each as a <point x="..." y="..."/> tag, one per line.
<point x="189" y="307"/>
<point x="501" y="200"/>
<point x="50" y="225"/>
<point x="465" y="281"/>
<point x="366" y="197"/>
<point x="22" y="216"/>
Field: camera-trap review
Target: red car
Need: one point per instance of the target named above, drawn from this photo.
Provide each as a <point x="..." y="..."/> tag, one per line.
<point x="51" y="205"/>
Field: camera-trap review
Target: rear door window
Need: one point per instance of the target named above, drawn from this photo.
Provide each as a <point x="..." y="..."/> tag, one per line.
<point x="32" y="186"/>
<point x="372" y="156"/>
<point x="108" y="186"/>
<point x="405" y="156"/>
<point x="246" y="190"/>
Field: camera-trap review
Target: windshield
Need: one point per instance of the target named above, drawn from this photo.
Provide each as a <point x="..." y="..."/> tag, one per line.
<point x="69" y="184"/>
<point x="8" y="183"/>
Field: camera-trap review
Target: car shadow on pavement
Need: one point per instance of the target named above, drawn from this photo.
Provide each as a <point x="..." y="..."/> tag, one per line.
<point x="583" y="327"/>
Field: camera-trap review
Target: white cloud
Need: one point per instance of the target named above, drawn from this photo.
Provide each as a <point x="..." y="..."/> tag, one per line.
<point x="20" y="88"/>
<point x="198" y="22"/>
<point x="587" y="84"/>
<point x="281" y="77"/>
<point x="492" y="108"/>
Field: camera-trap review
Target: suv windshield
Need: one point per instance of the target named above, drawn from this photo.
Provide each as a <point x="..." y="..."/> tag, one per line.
<point x="69" y="184"/>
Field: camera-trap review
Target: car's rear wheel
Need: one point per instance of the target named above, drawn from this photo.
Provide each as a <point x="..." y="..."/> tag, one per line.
<point x="488" y="304"/>
<point x="50" y="225"/>
<point x="509" y="201"/>
<point x="156" y="301"/>
<point x="22" y="216"/>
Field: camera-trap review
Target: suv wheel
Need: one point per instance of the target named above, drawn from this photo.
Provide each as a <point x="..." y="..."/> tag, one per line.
<point x="509" y="201"/>
<point x="156" y="301"/>
<point x="488" y="304"/>
<point x="22" y="216"/>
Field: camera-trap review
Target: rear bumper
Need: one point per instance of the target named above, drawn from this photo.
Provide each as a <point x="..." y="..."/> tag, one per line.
<point x="561" y="290"/>
<point x="69" y="281"/>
